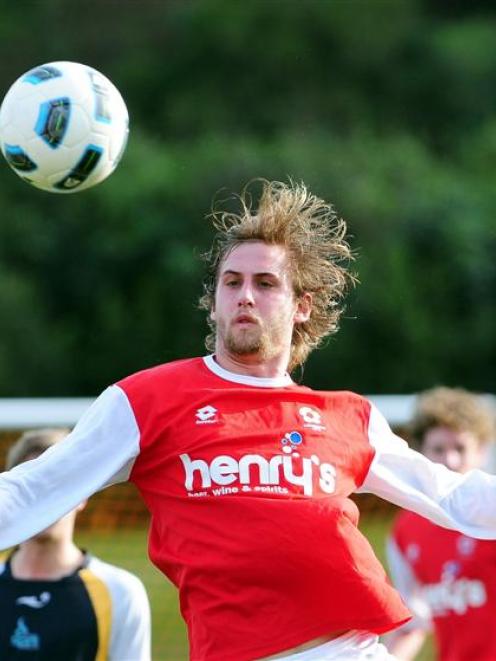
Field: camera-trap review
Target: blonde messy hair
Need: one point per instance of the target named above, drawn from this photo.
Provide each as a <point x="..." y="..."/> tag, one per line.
<point x="454" y="408"/>
<point x="314" y="236"/>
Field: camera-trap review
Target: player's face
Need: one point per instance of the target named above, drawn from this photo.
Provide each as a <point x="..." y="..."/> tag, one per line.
<point x="459" y="451"/>
<point x="255" y="306"/>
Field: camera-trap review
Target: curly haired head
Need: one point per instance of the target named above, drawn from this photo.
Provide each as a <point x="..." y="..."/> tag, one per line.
<point x="453" y="408"/>
<point x="314" y="237"/>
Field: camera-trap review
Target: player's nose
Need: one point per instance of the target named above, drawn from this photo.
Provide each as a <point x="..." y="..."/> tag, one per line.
<point x="246" y="295"/>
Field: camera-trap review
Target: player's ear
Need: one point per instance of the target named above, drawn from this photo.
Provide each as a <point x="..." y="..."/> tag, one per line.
<point x="303" y="308"/>
<point x="212" y="313"/>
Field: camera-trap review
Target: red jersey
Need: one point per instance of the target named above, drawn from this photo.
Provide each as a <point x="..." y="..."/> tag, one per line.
<point x="455" y="576"/>
<point x="248" y="489"/>
<point x="248" y="483"/>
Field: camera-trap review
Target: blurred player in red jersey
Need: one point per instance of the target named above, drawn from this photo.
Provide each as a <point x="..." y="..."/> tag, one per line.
<point x="247" y="474"/>
<point x="447" y="579"/>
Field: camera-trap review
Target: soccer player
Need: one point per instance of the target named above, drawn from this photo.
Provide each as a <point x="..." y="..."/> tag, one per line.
<point x="448" y="579"/>
<point x="59" y="602"/>
<point x="247" y="474"/>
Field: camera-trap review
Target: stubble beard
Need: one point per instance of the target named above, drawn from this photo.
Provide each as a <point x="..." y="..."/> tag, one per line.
<point x="247" y="342"/>
<point x="255" y="341"/>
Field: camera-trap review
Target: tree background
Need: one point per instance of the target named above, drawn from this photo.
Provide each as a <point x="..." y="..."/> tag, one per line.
<point x="386" y="108"/>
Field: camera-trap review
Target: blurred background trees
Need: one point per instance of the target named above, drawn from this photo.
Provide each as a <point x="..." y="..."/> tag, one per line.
<point x="387" y="108"/>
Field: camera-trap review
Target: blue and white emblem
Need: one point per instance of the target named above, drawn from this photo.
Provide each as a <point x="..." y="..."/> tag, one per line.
<point x="292" y="439"/>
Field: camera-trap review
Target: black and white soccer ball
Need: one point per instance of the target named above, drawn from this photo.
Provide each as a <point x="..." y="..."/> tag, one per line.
<point x="63" y="127"/>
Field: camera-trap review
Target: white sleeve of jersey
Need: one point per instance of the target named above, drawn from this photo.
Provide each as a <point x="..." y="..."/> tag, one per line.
<point x="407" y="585"/>
<point x="466" y="503"/>
<point x="130" y="636"/>
<point x="99" y="451"/>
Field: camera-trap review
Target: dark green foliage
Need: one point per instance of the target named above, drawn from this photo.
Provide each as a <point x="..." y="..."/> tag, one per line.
<point x="387" y="108"/>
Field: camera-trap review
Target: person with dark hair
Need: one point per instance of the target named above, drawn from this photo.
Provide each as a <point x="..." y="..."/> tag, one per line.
<point x="448" y="579"/>
<point x="247" y="474"/>
<point x="58" y="602"/>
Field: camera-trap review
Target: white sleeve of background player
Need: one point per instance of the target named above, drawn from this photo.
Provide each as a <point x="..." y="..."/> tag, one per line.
<point x="130" y="635"/>
<point x="99" y="451"/>
<point x="405" y="582"/>
<point x="466" y="503"/>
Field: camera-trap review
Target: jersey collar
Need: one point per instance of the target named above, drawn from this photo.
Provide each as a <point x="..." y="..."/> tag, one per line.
<point x="259" y="382"/>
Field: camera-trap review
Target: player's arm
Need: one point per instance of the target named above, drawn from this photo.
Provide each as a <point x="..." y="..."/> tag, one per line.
<point x="99" y="451"/>
<point x="406" y="478"/>
<point x="405" y="643"/>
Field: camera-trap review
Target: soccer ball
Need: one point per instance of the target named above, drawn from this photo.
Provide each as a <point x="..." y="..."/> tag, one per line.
<point x="63" y="127"/>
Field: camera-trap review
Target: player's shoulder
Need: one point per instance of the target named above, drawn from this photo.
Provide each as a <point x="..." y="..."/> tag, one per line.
<point x="338" y="398"/>
<point x="347" y="398"/>
<point x="345" y="402"/>
<point x="117" y="579"/>
<point x="127" y="592"/>
<point x="170" y="372"/>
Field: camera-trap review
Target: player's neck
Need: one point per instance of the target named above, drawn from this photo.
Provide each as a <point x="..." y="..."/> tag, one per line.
<point x="46" y="559"/>
<point x="252" y="365"/>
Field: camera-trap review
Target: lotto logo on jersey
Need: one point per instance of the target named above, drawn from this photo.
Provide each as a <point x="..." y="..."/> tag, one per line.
<point x="206" y="415"/>
<point x="311" y="418"/>
<point x="255" y="473"/>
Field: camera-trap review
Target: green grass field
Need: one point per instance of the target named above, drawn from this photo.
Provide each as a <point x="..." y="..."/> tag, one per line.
<point x="128" y="548"/>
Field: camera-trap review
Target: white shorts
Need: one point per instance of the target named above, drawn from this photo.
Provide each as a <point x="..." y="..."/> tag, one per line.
<point x="357" y="645"/>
